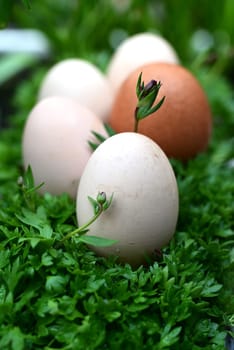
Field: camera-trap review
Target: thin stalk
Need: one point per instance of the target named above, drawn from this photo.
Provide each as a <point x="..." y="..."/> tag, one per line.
<point x="83" y="227"/>
<point x="136" y="125"/>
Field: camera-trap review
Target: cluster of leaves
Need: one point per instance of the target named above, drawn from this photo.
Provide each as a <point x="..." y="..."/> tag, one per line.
<point x="62" y="296"/>
<point x="146" y="96"/>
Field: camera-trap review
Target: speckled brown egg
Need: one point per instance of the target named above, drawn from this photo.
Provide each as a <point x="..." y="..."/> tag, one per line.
<point x="182" y="126"/>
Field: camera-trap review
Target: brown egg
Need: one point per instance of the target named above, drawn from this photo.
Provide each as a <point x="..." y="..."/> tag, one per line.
<point x="182" y="126"/>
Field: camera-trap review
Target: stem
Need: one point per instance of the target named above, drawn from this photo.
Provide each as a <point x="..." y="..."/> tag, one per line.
<point x="83" y="227"/>
<point x="136" y="125"/>
<point x="136" y="120"/>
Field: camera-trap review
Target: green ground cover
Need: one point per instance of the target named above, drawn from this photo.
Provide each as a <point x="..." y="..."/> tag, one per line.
<point x="65" y="297"/>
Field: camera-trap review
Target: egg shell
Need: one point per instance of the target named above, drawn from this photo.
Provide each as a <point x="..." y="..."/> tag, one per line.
<point x="82" y="81"/>
<point x="182" y="126"/>
<point x="144" y="210"/>
<point x="133" y="52"/>
<point x="55" y="143"/>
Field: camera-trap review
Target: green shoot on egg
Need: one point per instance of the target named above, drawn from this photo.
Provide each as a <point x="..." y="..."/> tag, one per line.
<point x="146" y="96"/>
<point x="100" y="204"/>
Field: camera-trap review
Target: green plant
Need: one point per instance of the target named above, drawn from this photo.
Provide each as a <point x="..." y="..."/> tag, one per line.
<point x="100" y="204"/>
<point x="146" y="95"/>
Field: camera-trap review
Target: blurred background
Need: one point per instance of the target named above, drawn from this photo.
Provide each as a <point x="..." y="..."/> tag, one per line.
<point x="35" y="34"/>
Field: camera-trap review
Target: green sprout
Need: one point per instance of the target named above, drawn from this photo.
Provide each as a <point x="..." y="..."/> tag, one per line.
<point x="100" y="204"/>
<point x="100" y="138"/>
<point x="146" y="95"/>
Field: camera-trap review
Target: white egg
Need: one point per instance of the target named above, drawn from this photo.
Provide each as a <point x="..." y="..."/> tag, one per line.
<point x="81" y="80"/>
<point x="55" y="143"/>
<point x="136" y="51"/>
<point x="143" y="214"/>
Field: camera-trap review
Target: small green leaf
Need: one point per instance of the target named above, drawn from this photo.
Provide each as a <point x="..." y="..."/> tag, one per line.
<point x="100" y="139"/>
<point x="56" y="283"/>
<point x="34" y="241"/>
<point x="97" y="241"/>
<point x="168" y="337"/>
<point x="46" y="259"/>
<point x="13" y="339"/>
<point x="95" y="205"/>
<point x="98" y="136"/>
<point x="145" y="111"/>
<point x="211" y="291"/>
<point x="111" y="316"/>
<point x="139" y="86"/>
<point x="109" y="130"/>
<point x="107" y="204"/>
<point x="46" y="231"/>
<point x="93" y="145"/>
<point x="94" y="284"/>
<point x="148" y="99"/>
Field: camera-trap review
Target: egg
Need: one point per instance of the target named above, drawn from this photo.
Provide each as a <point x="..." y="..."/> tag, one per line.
<point x="136" y="50"/>
<point x="143" y="214"/>
<point x="182" y="126"/>
<point x="55" y="143"/>
<point x="81" y="80"/>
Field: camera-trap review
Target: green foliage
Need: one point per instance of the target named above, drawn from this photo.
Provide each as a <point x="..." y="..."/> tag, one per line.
<point x="6" y="13"/>
<point x="73" y="27"/>
<point x="60" y="295"/>
<point x="146" y="96"/>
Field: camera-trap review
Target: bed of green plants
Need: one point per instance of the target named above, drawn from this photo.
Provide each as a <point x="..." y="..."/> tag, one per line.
<point x="62" y="296"/>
